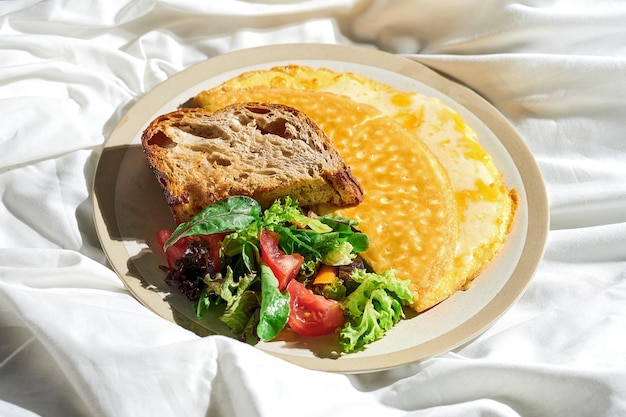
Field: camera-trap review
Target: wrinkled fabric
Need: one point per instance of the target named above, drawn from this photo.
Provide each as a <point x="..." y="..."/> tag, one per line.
<point x="73" y="340"/>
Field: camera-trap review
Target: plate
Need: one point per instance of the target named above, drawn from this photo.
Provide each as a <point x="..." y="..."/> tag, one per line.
<point x="129" y="208"/>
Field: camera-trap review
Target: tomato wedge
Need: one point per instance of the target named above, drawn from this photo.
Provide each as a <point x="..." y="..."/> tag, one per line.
<point x="311" y="314"/>
<point x="177" y="250"/>
<point x="285" y="267"/>
<point x="174" y="252"/>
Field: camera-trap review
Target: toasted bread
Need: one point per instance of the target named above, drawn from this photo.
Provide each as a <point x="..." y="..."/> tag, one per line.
<point x="264" y="151"/>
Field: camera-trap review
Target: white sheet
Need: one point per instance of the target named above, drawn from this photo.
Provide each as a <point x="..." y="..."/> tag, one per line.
<point x="73" y="342"/>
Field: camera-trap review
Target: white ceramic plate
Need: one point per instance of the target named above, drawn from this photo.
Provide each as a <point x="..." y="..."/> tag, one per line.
<point x="130" y="207"/>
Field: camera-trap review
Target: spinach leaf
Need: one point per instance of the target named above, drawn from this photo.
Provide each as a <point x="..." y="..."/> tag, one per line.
<point x="228" y="215"/>
<point x="274" y="306"/>
<point x="338" y="223"/>
<point x="359" y="241"/>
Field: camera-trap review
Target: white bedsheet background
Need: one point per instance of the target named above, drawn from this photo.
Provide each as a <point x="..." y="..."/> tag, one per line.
<point x="73" y="342"/>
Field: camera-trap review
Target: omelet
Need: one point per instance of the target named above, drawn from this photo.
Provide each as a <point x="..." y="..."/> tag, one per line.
<point x="459" y="182"/>
<point x="408" y="211"/>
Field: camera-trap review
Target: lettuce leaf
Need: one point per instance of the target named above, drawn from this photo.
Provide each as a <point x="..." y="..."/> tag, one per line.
<point x="241" y="312"/>
<point x="241" y="302"/>
<point x="227" y="287"/>
<point x="342" y="254"/>
<point x="373" y="308"/>
<point x="289" y="211"/>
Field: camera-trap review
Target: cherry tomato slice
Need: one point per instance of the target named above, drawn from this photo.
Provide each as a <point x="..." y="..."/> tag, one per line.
<point x="174" y="252"/>
<point x="285" y="267"/>
<point x="311" y="314"/>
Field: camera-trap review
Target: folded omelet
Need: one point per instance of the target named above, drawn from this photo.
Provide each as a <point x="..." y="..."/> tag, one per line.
<point x="435" y="206"/>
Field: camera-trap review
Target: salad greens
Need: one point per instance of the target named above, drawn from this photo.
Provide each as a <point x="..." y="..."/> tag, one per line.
<point x="274" y="306"/>
<point x="249" y="287"/>
<point x="373" y="308"/>
<point x="228" y="215"/>
<point x="241" y="301"/>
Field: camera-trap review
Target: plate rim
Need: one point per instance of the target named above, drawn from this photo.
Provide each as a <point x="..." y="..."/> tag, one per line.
<point x="505" y="132"/>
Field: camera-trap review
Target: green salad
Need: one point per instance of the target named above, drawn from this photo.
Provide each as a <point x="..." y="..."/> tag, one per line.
<point x="277" y="269"/>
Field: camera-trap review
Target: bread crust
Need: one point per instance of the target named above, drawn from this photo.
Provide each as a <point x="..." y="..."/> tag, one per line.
<point x="262" y="150"/>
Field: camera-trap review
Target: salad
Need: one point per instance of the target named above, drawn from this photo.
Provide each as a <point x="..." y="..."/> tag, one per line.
<point x="278" y="269"/>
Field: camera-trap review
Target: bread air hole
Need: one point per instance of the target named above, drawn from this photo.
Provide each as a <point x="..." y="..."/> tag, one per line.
<point x="160" y="139"/>
<point x="267" y="171"/>
<point x="215" y="158"/>
<point x="207" y="132"/>
<point x="287" y="153"/>
<point x="276" y="127"/>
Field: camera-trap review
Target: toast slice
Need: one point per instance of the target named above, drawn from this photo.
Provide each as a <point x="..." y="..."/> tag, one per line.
<point x="261" y="150"/>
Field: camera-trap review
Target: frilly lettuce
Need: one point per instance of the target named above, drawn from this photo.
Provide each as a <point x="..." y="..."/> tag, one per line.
<point x="342" y="254"/>
<point x="373" y="308"/>
<point x="240" y="300"/>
